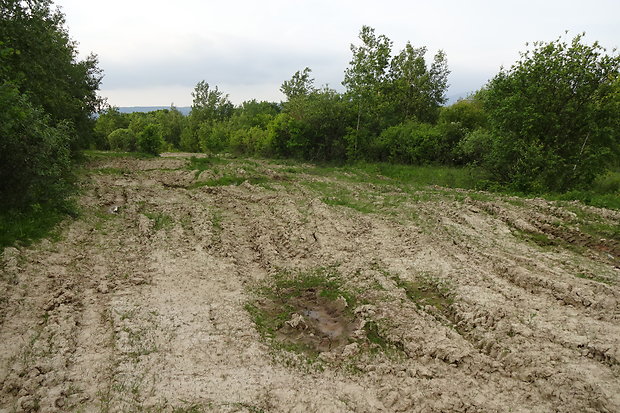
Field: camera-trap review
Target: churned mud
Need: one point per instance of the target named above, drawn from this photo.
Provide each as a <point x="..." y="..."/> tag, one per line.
<point x="161" y="296"/>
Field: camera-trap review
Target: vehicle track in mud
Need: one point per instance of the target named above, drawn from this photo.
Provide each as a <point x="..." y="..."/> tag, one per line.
<point x="141" y="305"/>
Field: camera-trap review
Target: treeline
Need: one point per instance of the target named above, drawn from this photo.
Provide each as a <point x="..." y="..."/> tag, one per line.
<point x="549" y="123"/>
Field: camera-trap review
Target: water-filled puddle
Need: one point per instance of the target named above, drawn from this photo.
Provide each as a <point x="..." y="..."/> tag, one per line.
<point x="318" y="323"/>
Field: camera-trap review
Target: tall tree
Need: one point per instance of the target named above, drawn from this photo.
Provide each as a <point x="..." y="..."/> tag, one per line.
<point x="366" y="78"/>
<point x="418" y="90"/>
<point x="301" y="84"/>
<point x="210" y="104"/>
<point x="389" y="90"/>
<point x="554" y="115"/>
<point x="43" y="64"/>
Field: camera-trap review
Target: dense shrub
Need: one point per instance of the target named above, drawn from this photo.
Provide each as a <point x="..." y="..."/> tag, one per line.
<point x="554" y="116"/>
<point x="214" y="137"/>
<point x="409" y="143"/>
<point x="149" y="140"/>
<point x="34" y="156"/>
<point x="122" y="140"/>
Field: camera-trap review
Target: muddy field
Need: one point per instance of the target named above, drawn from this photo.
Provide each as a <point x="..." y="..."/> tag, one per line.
<point x="243" y="285"/>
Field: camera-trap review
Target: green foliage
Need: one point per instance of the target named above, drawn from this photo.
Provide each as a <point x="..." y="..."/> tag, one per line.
<point x="171" y="124"/>
<point x="149" y="140"/>
<point x="122" y="140"/>
<point x="29" y="224"/>
<point x="409" y="143"/>
<point x="388" y="90"/>
<point x="189" y="140"/>
<point x="468" y="113"/>
<point x="41" y="60"/>
<point x="315" y="126"/>
<point x="214" y="137"/>
<point x="252" y="113"/>
<point x="160" y="220"/>
<point x="417" y="91"/>
<point x="554" y="116"/>
<point x="473" y="149"/>
<point x="210" y="104"/>
<point x="301" y="84"/>
<point x="35" y="162"/>
<point x="255" y="141"/>
<point x="108" y="121"/>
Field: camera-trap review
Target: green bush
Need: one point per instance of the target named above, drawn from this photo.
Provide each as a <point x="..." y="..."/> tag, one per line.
<point x="214" y="137"/>
<point x="474" y="147"/>
<point x="554" y="116"/>
<point x="409" y="143"/>
<point x="253" y="141"/>
<point x="149" y="140"/>
<point x="122" y="140"/>
<point x="34" y="156"/>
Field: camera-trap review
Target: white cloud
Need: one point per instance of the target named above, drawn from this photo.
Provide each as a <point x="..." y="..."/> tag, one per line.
<point x="150" y="48"/>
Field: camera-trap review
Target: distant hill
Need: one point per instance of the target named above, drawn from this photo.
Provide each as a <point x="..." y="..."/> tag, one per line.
<point x="129" y="109"/>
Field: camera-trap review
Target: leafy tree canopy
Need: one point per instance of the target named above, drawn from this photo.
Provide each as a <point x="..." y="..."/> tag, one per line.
<point x="301" y="84"/>
<point x="41" y="60"/>
<point x="554" y="115"/>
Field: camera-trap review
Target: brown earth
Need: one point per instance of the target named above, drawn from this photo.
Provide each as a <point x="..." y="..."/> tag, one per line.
<point x="141" y="304"/>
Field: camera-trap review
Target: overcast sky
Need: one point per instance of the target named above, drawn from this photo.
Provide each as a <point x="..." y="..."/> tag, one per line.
<point x="154" y="52"/>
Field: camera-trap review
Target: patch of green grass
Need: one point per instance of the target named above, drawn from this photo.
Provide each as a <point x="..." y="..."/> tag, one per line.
<point x="275" y="303"/>
<point x="425" y="291"/>
<point x="445" y="176"/>
<point x="604" y="192"/>
<point x="203" y="164"/>
<point x="375" y="336"/>
<point x="292" y="170"/>
<point x="594" y="224"/>
<point x="287" y="284"/>
<point x="111" y="171"/>
<point x="37" y="222"/>
<point x="161" y="220"/>
<point x="349" y="202"/>
<point x="601" y="230"/>
<point x="595" y="278"/>
<point x="542" y="240"/>
<point x="96" y="154"/>
<point x="227" y="180"/>
<point x="335" y="195"/>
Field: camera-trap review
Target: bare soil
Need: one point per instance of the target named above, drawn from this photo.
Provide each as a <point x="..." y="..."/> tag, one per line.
<point x="476" y="302"/>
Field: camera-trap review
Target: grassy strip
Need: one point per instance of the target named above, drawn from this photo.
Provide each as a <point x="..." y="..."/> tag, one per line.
<point x="25" y="227"/>
<point x="95" y="154"/>
<point x="227" y="180"/>
<point x="604" y="192"/>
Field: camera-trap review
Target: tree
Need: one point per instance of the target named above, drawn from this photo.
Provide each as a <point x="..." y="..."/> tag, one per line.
<point x="34" y="155"/>
<point x="210" y="104"/>
<point x="109" y="121"/>
<point x="418" y="91"/>
<point x="314" y="126"/>
<point x="122" y="139"/>
<point x="390" y="90"/>
<point x="553" y="116"/>
<point x="149" y="140"/>
<point x="171" y="122"/>
<point x="366" y="79"/>
<point x="301" y="84"/>
<point x="43" y="64"/>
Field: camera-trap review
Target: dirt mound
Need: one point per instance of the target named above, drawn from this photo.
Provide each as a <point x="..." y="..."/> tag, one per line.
<point x="248" y="285"/>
